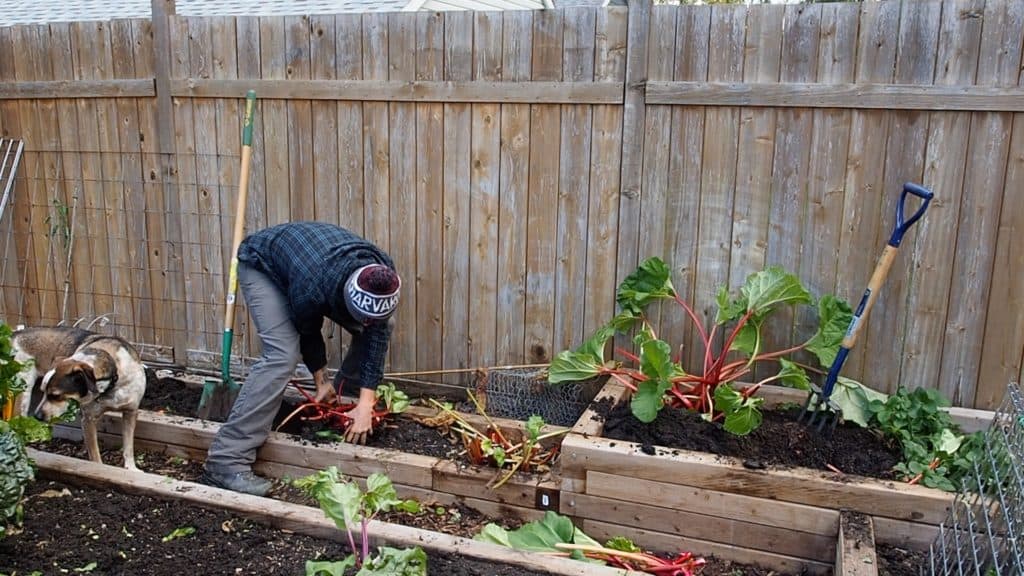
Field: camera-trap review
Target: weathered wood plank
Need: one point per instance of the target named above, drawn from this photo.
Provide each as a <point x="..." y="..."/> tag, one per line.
<point x="465" y="91"/>
<point x="1003" y="348"/>
<point x="274" y="115"/>
<point x="855" y="548"/>
<point x="904" y="162"/>
<point x="187" y="191"/>
<point x="857" y="96"/>
<point x="402" y="126"/>
<point x="829" y="144"/>
<point x="684" y="179"/>
<point x="653" y="540"/>
<point x="349" y="65"/>
<point x="442" y="183"/>
<point x="458" y="264"/>
<point x="654" y="195"/>
<point x="718" y="165"/>
<point x="800" y="486"/>
<point x="85" y="56"/>
<point x="208" y="190"/>
<point x="10" y="127"/>
<point x="708" y="502"/>
<point x="957" y="64"/>
<point x="541" y="209"/>
<point x="513" y="191"/>
<point x="123" y="48"/>
<point x="54" y="89"/>
<point x="756" y="147"/>
<point x="987" y="157"/>
<point x="452" y="478"/>
<point x="713" y="527"/>
<point x="573" y="184"/>
<point x="605" y="157"/>
<point x="482" y="219"/>
<point x="300" y="122"/>
<point x="876" y="57"/>
<point x="376" y="135"/>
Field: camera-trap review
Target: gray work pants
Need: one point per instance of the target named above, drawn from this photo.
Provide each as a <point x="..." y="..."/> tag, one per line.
<point x="259" y="399"/>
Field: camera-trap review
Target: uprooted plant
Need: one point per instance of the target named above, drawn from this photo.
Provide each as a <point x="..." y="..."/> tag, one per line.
<point x="557" y="536"/>
<point x="493" y="446"/>
<point x="657" y="380"/>
<point x="352" y="509"/>
<point x="334" y="415"/>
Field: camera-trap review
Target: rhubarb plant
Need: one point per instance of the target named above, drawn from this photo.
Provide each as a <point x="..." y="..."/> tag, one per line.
<point x="732" y="347"/>
<point x="556" y="535"/>
<point x="352" y="509"/>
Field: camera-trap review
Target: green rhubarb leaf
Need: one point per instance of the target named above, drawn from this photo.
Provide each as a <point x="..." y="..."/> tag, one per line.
<point x="30" y="429"/>
<point x="747" y="338"/>
<point x="539" y="536"/>
<point x="396" y="562"/>
<point x="656" y="361"/>
<point x="854" y="400"/>
<point x="651" y="281"/>
<point x="773" y="287"/>
<point x="746" y="418"/>
<point x="729" y="309"/>
<point x="648" y="400"/>
<point x="834" y="317"/>
<point x="569" y="366"/>
<point x="727" y="399"/>
<point x="622" y="544"/>
<point x="793" y="376"/>
<point x="326" y="568"/>
<point x="948" y="442"/>
<point x="494" y="534"/>
<point x="381" y="496"/>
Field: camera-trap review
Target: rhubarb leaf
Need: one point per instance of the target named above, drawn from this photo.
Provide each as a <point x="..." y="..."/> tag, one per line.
<point x="727" y="399"/>
<point x="772" y="287"/>
<point x="569" y="366"/>
<point x="651" y="281"/>
<point x="728" y="308"/>
<point x="381" y="496"/>
<point x="533" y="426"/>
<point x="623" y="544"/>
<point x="338" y="568"/>
<point x="538" y="536"/>
<point x="656" y="361"/>
<point x="747" y="338"/>
<point x="396" y="562"/>
<point x="854" y="400"/>
<point x="649" y="400"/>
<point x="834" y="317"/>
<point x="793" y="376"/>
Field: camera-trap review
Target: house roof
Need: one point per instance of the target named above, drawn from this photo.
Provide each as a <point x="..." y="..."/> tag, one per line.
<point x="43" y="11"/>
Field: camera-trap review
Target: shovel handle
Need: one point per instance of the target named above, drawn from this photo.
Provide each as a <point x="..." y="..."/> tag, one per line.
<point x="867" y="300"/>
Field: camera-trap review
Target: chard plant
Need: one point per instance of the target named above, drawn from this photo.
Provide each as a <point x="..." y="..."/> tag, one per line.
<point x="556" y="535"/>
<point x="352" y="509"/>
<point x="732" y="347"/>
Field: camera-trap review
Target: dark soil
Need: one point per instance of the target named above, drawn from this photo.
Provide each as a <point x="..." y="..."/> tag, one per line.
<point x="779" y="441"/>
<point x="175" y="397"/>
<point x="857" y="528"/>
<point x="70" y="529"/>
<point x="454" y="518"/>
<point x="893" y="561"/>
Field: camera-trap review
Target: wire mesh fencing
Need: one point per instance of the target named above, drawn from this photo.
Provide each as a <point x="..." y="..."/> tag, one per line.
<point x="982" y="535"/>
<point x="518" y="393"/>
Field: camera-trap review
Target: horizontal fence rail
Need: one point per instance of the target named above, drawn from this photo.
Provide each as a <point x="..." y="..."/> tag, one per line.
<point x="517" y="165"/>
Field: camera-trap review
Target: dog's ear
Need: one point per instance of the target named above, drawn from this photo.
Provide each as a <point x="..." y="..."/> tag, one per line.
<point x="88" y="377"/>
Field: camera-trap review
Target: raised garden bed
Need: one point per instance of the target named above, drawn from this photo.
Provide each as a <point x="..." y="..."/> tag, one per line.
<point x="780" y="513"/>
<point x="121" y="525"/>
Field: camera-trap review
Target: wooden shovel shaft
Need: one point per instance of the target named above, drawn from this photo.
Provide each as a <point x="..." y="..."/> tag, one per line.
<point x="870" y="295"/>
<point x="243" y="192"/>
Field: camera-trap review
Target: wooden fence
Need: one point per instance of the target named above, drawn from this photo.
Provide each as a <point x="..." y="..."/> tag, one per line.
<point x="517" y="165"/>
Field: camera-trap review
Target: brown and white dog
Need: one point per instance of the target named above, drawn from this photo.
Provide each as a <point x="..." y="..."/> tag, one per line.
<point x="102" y="373"/>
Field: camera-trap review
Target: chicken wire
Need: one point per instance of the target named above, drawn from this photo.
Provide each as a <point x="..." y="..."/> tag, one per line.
<point x="982" y="535"/>
<point x="518" y="393"/>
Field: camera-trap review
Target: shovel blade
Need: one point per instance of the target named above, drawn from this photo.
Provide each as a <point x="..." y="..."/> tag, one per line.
<point x="217" y="399"/>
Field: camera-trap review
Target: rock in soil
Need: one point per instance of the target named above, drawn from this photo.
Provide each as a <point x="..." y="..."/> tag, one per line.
<point x="779" y="441"/>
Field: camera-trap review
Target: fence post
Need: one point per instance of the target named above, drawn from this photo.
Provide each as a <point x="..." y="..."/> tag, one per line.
<point x="173" y="323"/>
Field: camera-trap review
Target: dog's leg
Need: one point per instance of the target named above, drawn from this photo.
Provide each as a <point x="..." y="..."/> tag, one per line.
<point x="128" y="418"/>
<point x="92" y="444"/>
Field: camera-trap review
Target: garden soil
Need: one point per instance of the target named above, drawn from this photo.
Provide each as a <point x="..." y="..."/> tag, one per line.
<point x="82" y="530"/>
<point x="779" y="441"/>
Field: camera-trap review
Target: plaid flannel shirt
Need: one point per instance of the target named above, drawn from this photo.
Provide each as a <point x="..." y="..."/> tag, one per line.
<point x="310" y="262"/>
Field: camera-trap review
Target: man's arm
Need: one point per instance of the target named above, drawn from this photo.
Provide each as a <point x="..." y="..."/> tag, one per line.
<point x="378" y="337"/>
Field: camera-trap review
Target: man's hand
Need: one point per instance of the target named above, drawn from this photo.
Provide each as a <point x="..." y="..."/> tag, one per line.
<point x="362" y="417"/>
<point x="324" y="391"/>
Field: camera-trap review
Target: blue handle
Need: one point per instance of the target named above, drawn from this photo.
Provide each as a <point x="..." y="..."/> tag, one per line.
<point x="833" y="372"/>
<point x="901" y="226"/>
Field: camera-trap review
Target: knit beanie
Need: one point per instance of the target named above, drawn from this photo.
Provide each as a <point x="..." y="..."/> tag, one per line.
<point x="371" y="293"/>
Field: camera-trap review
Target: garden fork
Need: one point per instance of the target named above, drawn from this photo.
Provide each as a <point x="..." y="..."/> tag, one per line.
<point x="820" y="407"/>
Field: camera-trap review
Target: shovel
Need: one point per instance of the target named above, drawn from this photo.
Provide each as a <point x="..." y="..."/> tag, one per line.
<point x="820" y="407"/>
<point x="219" y="395"/>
